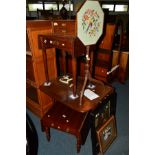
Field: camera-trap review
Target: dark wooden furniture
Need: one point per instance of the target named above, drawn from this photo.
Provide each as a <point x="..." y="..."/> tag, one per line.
<point x="100" y="115"/>
<point x="123" y="72"/>
<point x="67" y="43"/>
<point x="37" y="101"/>
<point x="89" y="115"/>
<point x="104" y="53"/>
<point x="64" y="38"/>
<point x="67" y="120"/>
<point x="61" y="92"/>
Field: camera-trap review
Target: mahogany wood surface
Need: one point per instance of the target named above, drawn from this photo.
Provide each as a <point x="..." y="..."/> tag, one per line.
<point x="61" y="92"/>
<point x="67" y="120"/>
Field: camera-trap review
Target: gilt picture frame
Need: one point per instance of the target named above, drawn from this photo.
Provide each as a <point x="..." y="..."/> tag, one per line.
<point x="106" y="134"/>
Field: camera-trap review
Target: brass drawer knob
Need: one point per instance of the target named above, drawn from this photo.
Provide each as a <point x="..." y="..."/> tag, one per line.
<point x="67" y="121"/>
<point x="51" y="41"/>
<point x="52" y="124"/>
<point x="55" y="24"/>
<point x="58" y="127"/>
<point x="63" y="44"/>
<point x="64" y="116"/>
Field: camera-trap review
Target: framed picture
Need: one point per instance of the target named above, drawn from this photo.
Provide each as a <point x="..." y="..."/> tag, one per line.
<point x="106" y="134"/>
<point x="103" y="114"/>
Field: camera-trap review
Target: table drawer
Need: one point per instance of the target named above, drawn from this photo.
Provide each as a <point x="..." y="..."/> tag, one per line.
<point x="63" y="118"/>
<point x="60" y="43"/>
<point x="66" y="27"/>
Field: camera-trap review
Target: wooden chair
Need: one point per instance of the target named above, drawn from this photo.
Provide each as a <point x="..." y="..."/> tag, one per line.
<point x="103" y="63"/>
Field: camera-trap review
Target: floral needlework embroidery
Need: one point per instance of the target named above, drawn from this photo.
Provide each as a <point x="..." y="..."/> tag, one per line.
<point x="90" y="22"/>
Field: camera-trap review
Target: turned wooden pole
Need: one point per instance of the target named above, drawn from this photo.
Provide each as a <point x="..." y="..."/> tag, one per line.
<point x="87" y="73"/>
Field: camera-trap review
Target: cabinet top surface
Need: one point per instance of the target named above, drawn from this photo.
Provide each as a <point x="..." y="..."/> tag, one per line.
<point x="62" y="93"/>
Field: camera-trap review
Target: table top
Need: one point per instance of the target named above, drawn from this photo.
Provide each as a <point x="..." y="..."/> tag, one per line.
<point x="62" y="92"/>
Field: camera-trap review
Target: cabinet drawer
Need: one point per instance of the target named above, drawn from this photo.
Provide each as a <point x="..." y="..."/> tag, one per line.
<point x="61" y="44"/>
<point x="101" y="71"/>
<point x="29" y="68"/>
<point x="66" y="27"/>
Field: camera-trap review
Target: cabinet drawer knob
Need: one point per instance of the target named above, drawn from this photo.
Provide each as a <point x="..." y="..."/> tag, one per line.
<point x="64" y="116"/>
<point x="67" y="121"/>
<point x="63" y="44"/>
<point x="51" y="41"/>
<point x="55" y="24"/>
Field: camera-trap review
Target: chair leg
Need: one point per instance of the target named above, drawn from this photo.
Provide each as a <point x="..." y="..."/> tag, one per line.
<point x="47" y="131"/>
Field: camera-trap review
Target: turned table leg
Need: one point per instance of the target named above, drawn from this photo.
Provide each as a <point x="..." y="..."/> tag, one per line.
<point x="64" y="62"/>
<point x="74" y="71"/>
